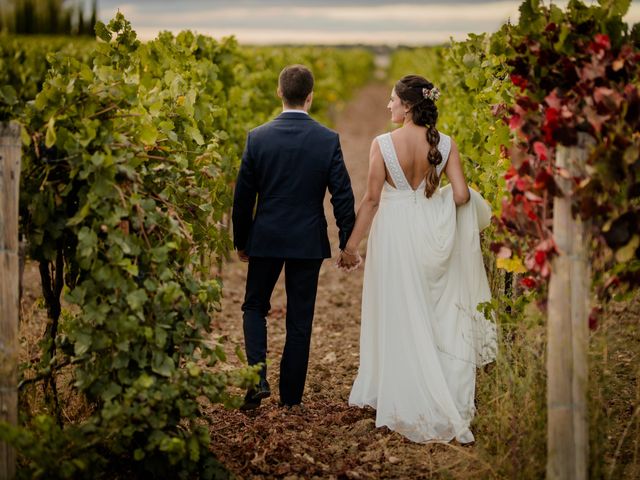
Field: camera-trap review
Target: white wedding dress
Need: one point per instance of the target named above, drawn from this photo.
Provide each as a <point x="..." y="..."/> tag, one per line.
<point x="421" y="337"/>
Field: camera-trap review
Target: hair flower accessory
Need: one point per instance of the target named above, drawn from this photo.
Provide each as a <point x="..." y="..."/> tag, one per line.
<point x="432" y="94"/>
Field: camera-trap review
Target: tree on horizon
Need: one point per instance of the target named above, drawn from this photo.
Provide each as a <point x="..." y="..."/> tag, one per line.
<point x="47" y="17"/>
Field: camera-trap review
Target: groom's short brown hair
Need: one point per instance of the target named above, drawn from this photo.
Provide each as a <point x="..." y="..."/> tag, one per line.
<point x="296" y="83"/>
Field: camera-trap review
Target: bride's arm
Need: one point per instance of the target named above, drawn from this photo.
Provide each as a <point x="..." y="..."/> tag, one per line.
<point x="369" y="204"/>
<point x="454" y="172"/>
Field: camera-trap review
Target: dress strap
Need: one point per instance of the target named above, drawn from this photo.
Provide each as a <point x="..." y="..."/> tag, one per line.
<point x="391" y="162"/>
<point x="444" y="145"/>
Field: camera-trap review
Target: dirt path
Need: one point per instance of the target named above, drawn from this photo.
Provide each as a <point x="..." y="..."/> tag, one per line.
<point x="330" y="439"/>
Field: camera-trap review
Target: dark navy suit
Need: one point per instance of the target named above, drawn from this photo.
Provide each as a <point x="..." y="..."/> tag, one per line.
<point x="287" y="166"/>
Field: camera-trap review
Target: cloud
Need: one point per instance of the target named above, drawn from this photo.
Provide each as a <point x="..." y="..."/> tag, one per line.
<point x="284" y="21"/>
<point x="357" y="15"/>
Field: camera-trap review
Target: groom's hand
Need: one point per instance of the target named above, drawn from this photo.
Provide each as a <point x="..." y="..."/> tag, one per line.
<point x="349" y="261"/>
<point x="243" y="256"/>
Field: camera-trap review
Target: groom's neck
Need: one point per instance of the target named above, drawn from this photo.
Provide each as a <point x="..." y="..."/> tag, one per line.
<point x="295" y="107"/>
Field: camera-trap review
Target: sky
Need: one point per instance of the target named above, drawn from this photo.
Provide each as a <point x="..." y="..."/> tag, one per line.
<point x="374" y="22"/>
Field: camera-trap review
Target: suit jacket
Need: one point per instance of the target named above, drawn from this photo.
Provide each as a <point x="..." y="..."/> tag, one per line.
<point x="287" y="166"/>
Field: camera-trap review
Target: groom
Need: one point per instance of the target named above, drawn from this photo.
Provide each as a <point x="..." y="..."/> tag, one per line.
<point x="288" y="164"/>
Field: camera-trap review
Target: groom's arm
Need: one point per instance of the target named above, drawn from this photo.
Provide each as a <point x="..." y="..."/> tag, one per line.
<point x="341" y="195"/>
<point x="244" y="199"/>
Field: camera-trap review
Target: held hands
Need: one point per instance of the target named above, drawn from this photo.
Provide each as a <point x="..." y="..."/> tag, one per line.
<point x="348" y="261"/>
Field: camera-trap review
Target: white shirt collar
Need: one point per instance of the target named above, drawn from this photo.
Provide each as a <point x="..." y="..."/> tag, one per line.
<point x="293" y="110"/>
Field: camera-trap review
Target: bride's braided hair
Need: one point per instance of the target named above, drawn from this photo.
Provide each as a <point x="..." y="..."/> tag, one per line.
<point x="410" y="89"/>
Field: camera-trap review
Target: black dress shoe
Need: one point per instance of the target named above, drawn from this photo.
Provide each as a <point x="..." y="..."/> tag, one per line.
<point x="254" y="396"/>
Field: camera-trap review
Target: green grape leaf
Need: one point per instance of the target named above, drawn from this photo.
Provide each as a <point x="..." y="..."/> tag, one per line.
<point x="162" y="364"/>
<point x="81" y="344"/>
<point x="615" y="8"/>
<point x="50" y="137"/>
<point x="148" y="134"/>
<point x="137" y="298"/>
<point x="102" y="32"/>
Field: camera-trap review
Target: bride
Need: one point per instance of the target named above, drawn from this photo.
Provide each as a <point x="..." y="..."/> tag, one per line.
<point x="421" y="337"/>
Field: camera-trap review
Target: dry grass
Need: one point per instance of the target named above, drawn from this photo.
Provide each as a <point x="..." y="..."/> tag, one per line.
<point x="614" y="393"/>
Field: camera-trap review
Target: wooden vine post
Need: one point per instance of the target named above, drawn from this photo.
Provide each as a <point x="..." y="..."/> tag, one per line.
<point x="10" y="150"/>
<point x="568" y="310"/>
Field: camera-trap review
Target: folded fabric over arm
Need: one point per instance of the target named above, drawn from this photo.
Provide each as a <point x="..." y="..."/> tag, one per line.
<point x="481" y="206"/>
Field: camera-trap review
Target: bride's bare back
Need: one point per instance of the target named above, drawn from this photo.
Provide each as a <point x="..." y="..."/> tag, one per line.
<point x="412" y="148"/>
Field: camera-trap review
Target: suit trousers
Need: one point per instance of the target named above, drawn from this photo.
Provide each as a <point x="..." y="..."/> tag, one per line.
<point x="301" y="283"/>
